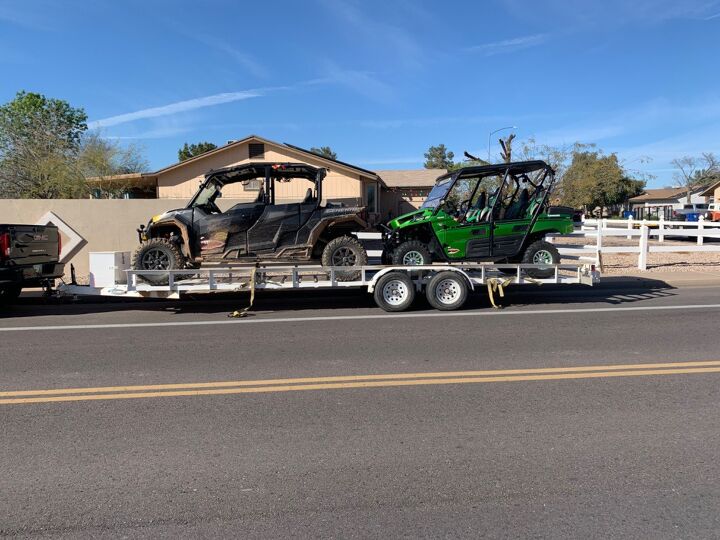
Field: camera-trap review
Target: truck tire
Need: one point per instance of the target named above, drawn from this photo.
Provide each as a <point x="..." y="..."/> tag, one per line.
<point x="158" y="254"/>
<point x="9" y="292"/>
<point x="411" y="253"/>
<point x="394" y="291"/>
<point x="541" y="252"/>
<point x="345" y="251"/>
<point x="447" y="291"/>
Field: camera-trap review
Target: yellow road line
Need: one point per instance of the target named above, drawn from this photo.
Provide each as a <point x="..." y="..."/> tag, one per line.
<point x="353" y="378"/>
<point x="363" y="384"/>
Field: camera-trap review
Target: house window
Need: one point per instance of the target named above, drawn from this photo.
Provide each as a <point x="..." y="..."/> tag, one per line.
<point x="252" y="185"/>
<point x="257" y="150"/>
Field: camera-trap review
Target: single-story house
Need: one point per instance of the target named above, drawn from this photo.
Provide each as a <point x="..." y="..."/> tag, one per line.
<point x="344" y="182"/>
<point x="656" y="202"/>
<point x="405" y="190"/>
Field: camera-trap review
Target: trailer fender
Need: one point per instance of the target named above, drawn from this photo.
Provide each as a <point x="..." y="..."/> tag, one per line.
<point x="429" y="270"/>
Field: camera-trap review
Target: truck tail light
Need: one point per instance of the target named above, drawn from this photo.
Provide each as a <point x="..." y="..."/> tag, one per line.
<point x="4" y="245"/>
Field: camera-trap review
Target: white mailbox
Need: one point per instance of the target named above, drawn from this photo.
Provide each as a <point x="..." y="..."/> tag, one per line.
<point x="107" y="268"/>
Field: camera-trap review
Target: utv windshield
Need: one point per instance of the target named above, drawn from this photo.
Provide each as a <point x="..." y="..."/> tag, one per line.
<point x="206" y="195"/>
<point x="437" y="193"/>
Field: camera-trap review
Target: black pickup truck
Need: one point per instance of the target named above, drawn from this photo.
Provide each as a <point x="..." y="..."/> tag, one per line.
<point x="29" y="257"/>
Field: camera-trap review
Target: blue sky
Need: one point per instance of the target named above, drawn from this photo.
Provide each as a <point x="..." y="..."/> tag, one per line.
<point x="378" y="81"/>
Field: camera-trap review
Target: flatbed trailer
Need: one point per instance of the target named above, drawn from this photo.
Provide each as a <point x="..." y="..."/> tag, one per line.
<point x="394" y="288"/>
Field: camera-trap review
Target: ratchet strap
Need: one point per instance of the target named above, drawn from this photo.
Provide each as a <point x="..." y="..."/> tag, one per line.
<point x="497" y="285"/>
<point x="244" y="311"/>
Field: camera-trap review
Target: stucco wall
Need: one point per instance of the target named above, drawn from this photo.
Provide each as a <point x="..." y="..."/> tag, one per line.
<point x="104" y="225"/>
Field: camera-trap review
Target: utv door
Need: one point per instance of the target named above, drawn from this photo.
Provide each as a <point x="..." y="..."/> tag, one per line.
<point x="466" y="240"/>
<point x="216" y="234"/>
<point x="511" y="227"/>
<point x="276" y="227"/>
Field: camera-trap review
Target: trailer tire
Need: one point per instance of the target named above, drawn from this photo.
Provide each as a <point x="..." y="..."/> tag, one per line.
<point x="395" y="291"/>
<point x="158" y="254"/>
<point x="345" y="251"/>
<point x="540" y="252"/>
<point x="411" y="253"/>
<point x="447" y="291"/>
<point x="9" y="292"/>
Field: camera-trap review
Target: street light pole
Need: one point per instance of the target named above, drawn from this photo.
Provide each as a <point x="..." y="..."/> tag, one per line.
<point x="493" y="133"/>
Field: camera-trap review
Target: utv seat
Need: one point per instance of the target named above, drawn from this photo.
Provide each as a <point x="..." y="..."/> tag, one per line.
<point x="260" y="196"/>
<point x="308" y="197"/>
<point x="518" y="209"/>
<point x="473" y="215"/>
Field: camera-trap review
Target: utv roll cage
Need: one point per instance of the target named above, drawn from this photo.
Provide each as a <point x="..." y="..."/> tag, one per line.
<point x="269" y="172"/>
<point x="515" y="172"/>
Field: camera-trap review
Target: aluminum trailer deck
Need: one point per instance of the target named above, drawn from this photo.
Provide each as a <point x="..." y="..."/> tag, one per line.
<point x="393" y="287"/>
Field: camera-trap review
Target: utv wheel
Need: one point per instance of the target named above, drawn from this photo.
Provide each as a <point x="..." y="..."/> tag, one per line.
<point x="541" y="252"/>
<point x="447" y="291"/>
<point x="8" y="293"/>
<point x="345" y="251"/>
<point x="411" y="253"/>
<point x="394" y="291"/>
<point x="158" y="254"/>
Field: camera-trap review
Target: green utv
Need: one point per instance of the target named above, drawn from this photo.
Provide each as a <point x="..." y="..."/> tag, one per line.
<point x="496" y="213"/>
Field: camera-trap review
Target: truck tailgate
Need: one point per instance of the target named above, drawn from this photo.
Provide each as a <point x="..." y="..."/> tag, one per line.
<point x="32" y="244"/>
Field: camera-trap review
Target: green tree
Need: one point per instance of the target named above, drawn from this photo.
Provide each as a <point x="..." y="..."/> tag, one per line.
<point x="594" y="179"/>
<point x="40" y="139"/>
<point x="191" y="150"/>
<point x="439" y="157"/>
<point x="101" y="160"/>
<point x="324" y="151"/>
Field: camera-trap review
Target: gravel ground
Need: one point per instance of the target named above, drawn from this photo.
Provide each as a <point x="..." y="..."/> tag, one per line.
<point x="621" y="263"/>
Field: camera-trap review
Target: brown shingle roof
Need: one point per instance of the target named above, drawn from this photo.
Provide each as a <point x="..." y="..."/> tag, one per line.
<point x="664" y="193"/>
<point x="412" y="178"/>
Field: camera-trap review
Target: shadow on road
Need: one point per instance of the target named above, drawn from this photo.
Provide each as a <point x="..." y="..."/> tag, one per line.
<point x="613" y="291"/>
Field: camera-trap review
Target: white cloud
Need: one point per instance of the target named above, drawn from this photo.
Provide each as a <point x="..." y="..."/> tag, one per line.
<point x="174" y="108"/>
<point x="509" y="45"/>
<point x="243" y="58"/>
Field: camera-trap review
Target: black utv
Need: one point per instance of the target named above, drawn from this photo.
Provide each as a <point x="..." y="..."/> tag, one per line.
<point x="254" y="231"/>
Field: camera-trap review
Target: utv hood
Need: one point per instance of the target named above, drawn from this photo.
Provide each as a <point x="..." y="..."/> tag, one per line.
<point x="412" y="218"/>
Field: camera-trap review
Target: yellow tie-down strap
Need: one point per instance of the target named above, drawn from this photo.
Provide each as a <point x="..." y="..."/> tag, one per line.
<point x="497" y="285"/>
<point x="244" y="311"/>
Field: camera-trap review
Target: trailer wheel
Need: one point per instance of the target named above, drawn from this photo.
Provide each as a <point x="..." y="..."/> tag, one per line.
<point x="541" y="252"/>
<point x="8" y="293"/>
<point x="158" y="254"/>
<point x="447" y="291"/>
<point x="394" y="291"/>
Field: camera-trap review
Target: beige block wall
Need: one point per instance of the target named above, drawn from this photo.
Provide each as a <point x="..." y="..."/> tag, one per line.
<point x="104" y="224"/>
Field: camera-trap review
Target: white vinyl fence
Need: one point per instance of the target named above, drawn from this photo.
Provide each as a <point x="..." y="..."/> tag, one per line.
<point x="639" y="233"/>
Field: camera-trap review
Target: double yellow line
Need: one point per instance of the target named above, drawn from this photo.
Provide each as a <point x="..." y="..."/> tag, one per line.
<point x="353" y="381"/>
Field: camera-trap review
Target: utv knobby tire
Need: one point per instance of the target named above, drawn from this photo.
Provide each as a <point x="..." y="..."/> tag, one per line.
<point x="158" y="254"/>
<point x="345" y="251"/>
<point x="9" y="293"/>
<point x="411" y="253"/>
<point x="540" y="252"/>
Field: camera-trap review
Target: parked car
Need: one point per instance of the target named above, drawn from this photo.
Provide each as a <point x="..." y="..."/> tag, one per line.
<point x="689" y="212"/>
<point x="261" y="230"/>
<point x="29" y="257"/>
<point x="487" y="213"/>
<point x="713" y="212"/>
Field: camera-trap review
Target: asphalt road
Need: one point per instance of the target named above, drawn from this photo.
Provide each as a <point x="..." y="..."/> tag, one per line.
<point x="321" y="416"/>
